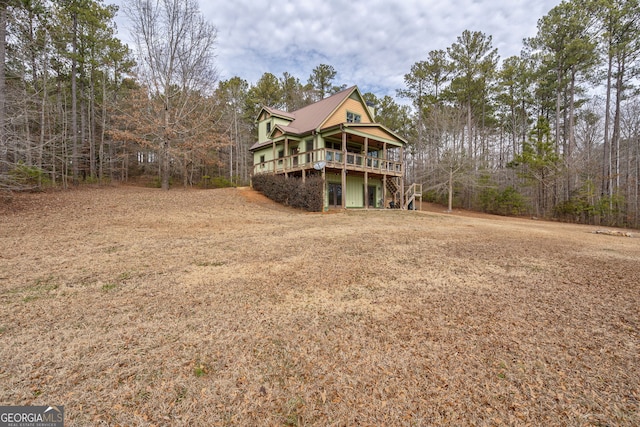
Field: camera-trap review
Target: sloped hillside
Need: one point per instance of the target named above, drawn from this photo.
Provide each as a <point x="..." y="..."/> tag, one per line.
<point x="135" y="306"/>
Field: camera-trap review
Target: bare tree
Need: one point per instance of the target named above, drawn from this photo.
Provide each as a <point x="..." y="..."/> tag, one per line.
<point x="175" y="48"/>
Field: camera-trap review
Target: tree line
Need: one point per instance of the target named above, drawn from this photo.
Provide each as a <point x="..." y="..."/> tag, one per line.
<point x="78" y="105"/>
<point x="552" y="132"/>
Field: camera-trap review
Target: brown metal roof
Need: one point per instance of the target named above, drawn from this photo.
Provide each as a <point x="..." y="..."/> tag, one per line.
<point x="312" y="116"/>
<point x="287" y="129"/>
<point x="259" y="144"/>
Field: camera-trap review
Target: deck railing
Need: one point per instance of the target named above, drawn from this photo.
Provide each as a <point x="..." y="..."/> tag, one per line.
<point x="412" y="196"/>
<point x="329" y="158"/>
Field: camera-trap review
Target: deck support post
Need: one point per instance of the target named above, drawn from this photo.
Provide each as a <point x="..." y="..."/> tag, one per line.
<point x="344" y="169"/>
<point x="384" y="190"/>
<point x="386" y="169"/>
<point x="366" y="173"/>
<point x="324" y="188"/>
<point x="275" y="161"/>
<point x="402" y="179"/>
<point x="286" y="157"/>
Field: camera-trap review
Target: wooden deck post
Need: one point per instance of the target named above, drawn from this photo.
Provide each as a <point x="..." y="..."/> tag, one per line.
<point x="384" y="177"/>
<point x="384" y="189"/>
<point x="286" y="156"/>
<point x="344" y="169"/>
<point x="275" y="160"/>
<point x="366" y="173"/>
<point x="324" y="187"/>
<point x="402" y="179"/>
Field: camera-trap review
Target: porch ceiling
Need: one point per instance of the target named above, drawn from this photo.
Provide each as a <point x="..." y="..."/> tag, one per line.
<point x="355" y="138"/>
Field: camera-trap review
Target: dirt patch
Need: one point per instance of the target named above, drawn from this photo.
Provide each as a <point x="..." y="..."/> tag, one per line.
<point x="135" y="306"/>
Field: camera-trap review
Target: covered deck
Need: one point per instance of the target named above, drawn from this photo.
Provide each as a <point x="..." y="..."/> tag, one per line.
<point x="329" y="158"/>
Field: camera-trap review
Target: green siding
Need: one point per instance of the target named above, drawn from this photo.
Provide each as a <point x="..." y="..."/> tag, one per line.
<point x="355" y="196"/>
<point x="262" y="126"/>
<point x="355" y="191"/>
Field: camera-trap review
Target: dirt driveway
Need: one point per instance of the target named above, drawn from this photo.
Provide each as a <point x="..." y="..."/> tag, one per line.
<point x="133" y="306"/>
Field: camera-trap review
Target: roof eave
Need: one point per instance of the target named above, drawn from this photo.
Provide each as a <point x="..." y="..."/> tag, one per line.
<point x="275" y="113"/>
<point x="364" y="125"/>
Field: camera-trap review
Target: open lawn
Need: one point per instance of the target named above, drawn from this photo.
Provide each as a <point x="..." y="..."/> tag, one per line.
<point x="137" y="307"/>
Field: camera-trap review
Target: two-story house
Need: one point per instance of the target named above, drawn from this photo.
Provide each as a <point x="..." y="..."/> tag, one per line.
<point x="360" y="161"/>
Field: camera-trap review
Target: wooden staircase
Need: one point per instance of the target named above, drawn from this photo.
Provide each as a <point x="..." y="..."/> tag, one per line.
<point x="393" y="189"/>
<point x="408" y="199"/>
<point x="412" y="195"/>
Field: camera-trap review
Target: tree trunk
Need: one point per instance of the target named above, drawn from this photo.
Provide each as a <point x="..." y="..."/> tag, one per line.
<point x="470" y="133"/>
<point x="164" y="169"/>
<point x="231" y="158"/>
<point x="43" y="104"/>
<point x="26" y="113"/>
<point x="627" y="180"/>
<point x="236" y="141"/>
<point x="450" y="204"/>
<point x="637" y="183"/>
<point x="3" y="49"/>
<point x="164" y="151"/>
<point x="615" y="142"/>
<point x="185" y="172"/>
<point x="74" y="101"/>
<point x="571" y="138"/>
<point x="113" y="149"/>
<point x="92" y="127"/>
<point x="83" y="130"/>
<point x="104" y="127"/>
<point x="558" y="107"/>
<point x="606" y="147"/>
<point x="514" y="130"/>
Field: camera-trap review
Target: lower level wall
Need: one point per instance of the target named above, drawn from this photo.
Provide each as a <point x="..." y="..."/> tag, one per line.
<point x="355" y="191"/>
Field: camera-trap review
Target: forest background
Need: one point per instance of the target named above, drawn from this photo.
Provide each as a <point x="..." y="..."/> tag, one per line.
<point x="553" y="132"/>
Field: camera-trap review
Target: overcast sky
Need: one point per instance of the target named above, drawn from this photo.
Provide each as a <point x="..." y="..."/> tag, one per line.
<point x="370" y="43"/>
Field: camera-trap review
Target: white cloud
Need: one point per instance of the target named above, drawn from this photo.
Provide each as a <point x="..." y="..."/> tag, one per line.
<point x="371" y="43"/>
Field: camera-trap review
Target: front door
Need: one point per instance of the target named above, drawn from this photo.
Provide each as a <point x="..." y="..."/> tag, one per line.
<point x="371" y="196"/>
<point x="335" y="194"/>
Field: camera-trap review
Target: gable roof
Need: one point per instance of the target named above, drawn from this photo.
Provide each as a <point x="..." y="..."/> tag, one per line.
<point x="314" y="116"/>
<point x="276" y="112"/>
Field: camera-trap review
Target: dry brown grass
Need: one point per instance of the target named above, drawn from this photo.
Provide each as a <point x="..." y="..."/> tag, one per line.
<point x="139" y="307"/>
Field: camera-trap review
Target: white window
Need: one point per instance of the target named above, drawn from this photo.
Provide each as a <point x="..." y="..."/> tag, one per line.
<point x="353" y="117"/>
